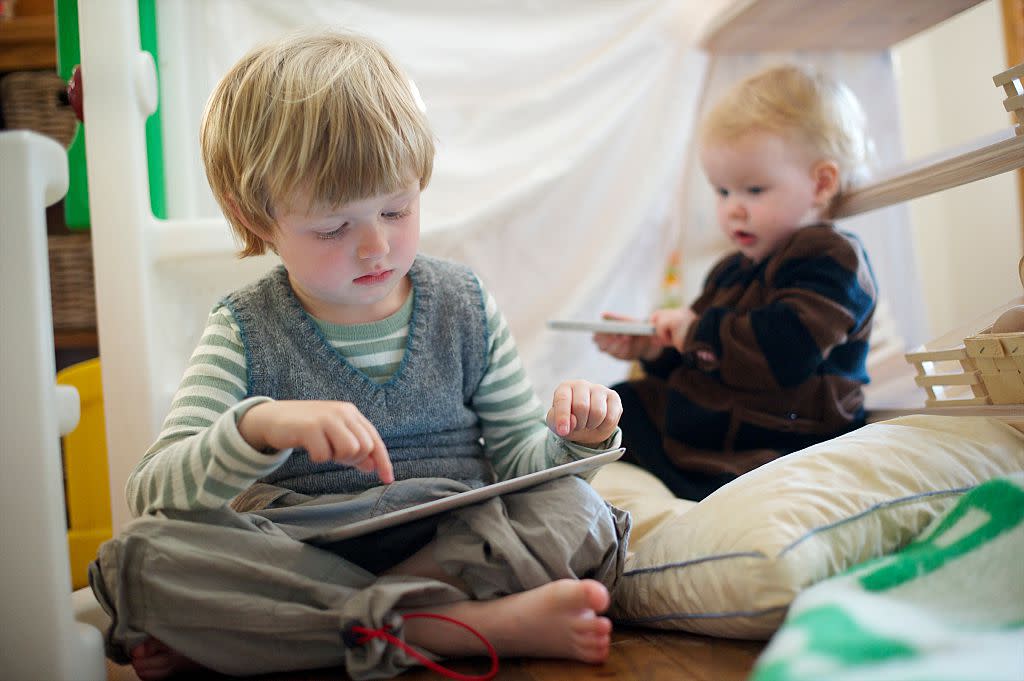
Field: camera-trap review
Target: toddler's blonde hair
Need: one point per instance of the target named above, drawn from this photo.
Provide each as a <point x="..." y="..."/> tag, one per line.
<point x="324" y="117"/>
<point x="802" y="106"/>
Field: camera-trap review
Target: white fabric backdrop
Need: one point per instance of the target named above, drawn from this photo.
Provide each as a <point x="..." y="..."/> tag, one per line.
<point x="563" y="134"/>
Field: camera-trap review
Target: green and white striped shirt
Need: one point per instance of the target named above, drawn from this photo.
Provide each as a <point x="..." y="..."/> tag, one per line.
<point x="201" y="461"/>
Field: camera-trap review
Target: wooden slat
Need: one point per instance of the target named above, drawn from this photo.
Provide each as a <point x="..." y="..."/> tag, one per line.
<point x="1008" y="76"/>
<point x="1010" y="413"/>
<point x="27" y="42"/>
<point x="783" y="25"/>
<point x="976" y="164"/>
<point x="1013" y="30"/>
<point x="937" y="356"/>
<point x="68" y="339"/>
<point x="967" y="378"/>
<point x="958" y="403"/>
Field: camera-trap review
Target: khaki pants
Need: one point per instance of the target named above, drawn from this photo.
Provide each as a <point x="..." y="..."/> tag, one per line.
<point x="269" y="590"/>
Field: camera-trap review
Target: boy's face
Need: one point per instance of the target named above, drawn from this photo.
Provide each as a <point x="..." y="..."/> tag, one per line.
<point x="768" y="188"/>
<point x="347" y="264"/>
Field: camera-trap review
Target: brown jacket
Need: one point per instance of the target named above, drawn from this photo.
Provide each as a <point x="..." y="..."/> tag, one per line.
<point x="790" y="338"/>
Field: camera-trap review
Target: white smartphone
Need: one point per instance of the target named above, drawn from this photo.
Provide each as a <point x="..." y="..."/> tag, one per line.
<point x="604" y="326"/>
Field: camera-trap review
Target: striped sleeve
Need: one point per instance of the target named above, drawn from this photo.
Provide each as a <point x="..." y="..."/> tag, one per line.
<point x="516" y="437"/>
<point x="199" y="459"/>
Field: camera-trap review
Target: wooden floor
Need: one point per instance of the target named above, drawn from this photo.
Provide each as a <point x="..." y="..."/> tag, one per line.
<point x="641" y="654"/>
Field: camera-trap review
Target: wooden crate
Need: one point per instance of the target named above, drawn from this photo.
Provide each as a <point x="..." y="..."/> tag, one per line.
<point x="987" y="368"/>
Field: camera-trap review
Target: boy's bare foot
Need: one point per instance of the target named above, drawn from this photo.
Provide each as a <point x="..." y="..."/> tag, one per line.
<point x="561" y="619"/>
<point x="154" y="660"/>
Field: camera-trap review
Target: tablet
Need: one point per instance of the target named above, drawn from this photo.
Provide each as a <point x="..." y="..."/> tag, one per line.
<point x="473" y="496"/>
<point x="604" y="326"/>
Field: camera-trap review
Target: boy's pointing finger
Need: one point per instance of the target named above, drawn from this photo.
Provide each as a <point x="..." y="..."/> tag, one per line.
<point x="561" y="410"/>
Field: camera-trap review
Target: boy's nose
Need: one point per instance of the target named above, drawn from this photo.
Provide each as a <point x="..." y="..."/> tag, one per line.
<point x="373" y="243"/>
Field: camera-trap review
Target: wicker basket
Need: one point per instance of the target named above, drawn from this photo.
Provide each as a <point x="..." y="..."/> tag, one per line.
<point x="31" y="101"/>
<point x="71" y="282"/>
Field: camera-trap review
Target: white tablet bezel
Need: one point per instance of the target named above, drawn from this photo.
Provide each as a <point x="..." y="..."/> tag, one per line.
<point x="603" y="326"/>
<point x="472" y="496"/>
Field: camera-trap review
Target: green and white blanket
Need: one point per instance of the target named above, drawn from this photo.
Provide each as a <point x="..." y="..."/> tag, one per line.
<point x="949" y="606"/>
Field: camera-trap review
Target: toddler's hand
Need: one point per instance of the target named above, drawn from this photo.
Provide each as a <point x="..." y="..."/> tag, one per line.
<point x="627" y="347"/>
<point x="671" y="325"/>
<point x="584" y="412"/>
<point x="329" y="431"/>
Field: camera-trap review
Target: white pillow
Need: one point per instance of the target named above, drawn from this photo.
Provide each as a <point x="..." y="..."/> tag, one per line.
<point x="731" y="564"/>
<point x="647" y="499"/>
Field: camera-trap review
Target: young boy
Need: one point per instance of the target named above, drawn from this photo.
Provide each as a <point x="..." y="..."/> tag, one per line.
<point x="357" y="378"/>
<point x="770" y="358"/>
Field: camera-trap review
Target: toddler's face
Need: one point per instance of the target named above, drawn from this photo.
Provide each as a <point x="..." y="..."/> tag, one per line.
<point x="347" y="264"/>
<point x="766" y="188"/>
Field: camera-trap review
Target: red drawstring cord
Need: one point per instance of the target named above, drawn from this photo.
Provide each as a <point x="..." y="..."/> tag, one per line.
<point x="365" y="635"/>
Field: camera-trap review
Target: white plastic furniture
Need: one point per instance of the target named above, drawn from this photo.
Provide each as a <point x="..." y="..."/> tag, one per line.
<point x="39" y="637"/>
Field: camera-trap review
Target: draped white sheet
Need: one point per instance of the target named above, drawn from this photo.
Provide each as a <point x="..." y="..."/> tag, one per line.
<point x="563" y="130"/>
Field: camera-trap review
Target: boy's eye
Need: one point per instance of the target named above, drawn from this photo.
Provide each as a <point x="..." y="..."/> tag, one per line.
<point x="395" y="214"/>
<point x="755" y="190"/>
<point x="334" y="233"/>
<point x="722" y="191"/>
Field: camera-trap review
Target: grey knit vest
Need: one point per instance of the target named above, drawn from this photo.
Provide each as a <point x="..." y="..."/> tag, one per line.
<point x="422" y="413"/>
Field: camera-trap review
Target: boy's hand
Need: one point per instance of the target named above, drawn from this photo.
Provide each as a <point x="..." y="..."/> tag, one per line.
<point x="671" y="325"/>
<point x="627" y="347"/>
<point x="330" y="431"/>
<point x="584" y="412"/>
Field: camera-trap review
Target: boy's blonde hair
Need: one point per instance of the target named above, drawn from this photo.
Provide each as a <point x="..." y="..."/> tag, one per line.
<point x="801" y="105"/>
<point x="321" y="117"/>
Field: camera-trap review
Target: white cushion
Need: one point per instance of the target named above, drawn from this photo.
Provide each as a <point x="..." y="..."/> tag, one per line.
<point x="731" y="564"/>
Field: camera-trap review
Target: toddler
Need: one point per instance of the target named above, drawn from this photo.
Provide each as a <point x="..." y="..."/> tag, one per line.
<point x="770" y="358"/>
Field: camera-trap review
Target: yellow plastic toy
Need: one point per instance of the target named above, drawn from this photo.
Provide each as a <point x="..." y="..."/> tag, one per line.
<point x="86" y="478"/>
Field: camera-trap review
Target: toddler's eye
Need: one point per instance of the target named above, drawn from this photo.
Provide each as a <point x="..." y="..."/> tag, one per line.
<point x="395" y="214"/>
<point x="722" y="191"/>
<point x="755" y="190"/>
<point x="333" y="234"/>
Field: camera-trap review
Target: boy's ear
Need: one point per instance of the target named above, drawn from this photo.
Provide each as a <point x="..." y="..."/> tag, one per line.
<point x="232" y="207"/>
<point x="253" y="235"/>
<point x="826" y="182"/>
